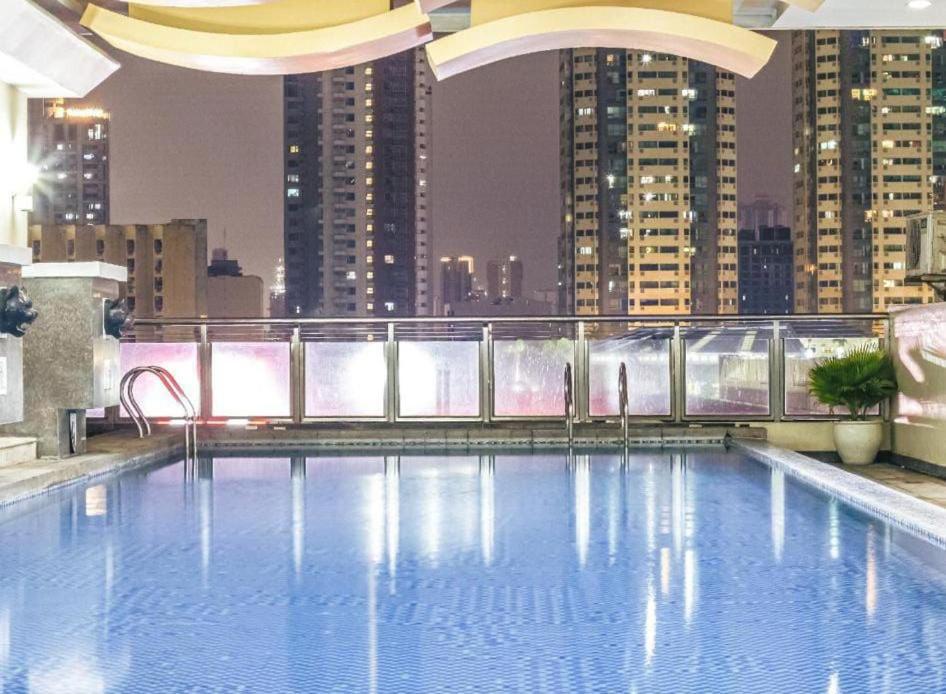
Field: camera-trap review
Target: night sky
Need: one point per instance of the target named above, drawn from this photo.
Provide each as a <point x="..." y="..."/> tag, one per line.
<point x="193" y="144"/>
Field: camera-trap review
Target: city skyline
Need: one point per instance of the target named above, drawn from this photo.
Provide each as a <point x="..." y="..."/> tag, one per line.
<point x="500" y="186"/>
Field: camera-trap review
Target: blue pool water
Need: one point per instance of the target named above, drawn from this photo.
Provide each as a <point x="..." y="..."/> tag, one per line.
<point x="679" y="572"/>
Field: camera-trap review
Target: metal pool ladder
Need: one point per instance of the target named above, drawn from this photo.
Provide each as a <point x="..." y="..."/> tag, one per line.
<point x="622" y="403"/>
<point x="127" y="396"/>
<point x="569" y="405"/>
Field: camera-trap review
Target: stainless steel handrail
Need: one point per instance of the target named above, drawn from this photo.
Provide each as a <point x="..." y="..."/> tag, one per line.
<point x="569" y="395"/>
<point x="130" y="403"/>
<point x="675" y="319"/>
<point x="623" y="403"/>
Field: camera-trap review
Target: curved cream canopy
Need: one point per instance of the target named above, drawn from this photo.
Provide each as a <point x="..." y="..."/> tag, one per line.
<point x="718" y="43"/>
<point x="273" y="50"/>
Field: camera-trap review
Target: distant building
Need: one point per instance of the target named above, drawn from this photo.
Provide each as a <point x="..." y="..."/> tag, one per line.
<point x="504" y="278"/>
<point x="230" y="293"/>
<point x="648" y="183"/>
<point x="167" y="263"/>
<point x="869" y="119"/>
<point x="456" y="279"/>
<point x="357" y="214"/>
<point x="504" y="307"/>
<point x="762" y="212"/>
<point x="277" y="292"/>
<point x="69" y="145"/>
<point x="766" y="271"/>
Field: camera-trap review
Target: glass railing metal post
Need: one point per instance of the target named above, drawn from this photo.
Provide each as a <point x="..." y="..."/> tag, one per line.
<point x="391" y="390"/>
<point x="677" y="375"/>
<point x="486" y="374"/>
<point x="205" y="357"/>
<point x="581" y="373"/>
<point x="777" y="373"/>
<point x="296" y="376"/>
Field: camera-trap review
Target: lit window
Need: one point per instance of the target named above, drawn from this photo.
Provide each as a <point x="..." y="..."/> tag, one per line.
<point x="389" y="259"/>
<point x="389" y="306"/>
<point x="351" y="275"/>
<point x="293" y="149"/>
<point x="292" y="192"/>
<point x="292" y="178"/>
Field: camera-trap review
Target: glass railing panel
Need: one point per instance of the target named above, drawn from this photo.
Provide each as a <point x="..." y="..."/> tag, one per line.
<point x="174" y="347"/>
<point x="439" y="370"/>
<point x="727" y="371"/>
<point x="250" y="371"/>
<point x="180" y="358"/>
<point x="529" y="366"/>
<point x="646" y="353"/>
<point x="808" y="343"/>
<point x="345" y="371"/>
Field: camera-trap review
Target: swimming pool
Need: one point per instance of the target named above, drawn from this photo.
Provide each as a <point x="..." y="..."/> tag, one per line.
<point x="692" y="571"/>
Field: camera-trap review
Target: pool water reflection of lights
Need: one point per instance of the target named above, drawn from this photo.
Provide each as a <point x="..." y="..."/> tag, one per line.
<point x="698" y="571"/>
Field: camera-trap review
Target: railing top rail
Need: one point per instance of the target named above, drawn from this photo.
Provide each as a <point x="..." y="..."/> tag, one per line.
<point x="564" y="320"/>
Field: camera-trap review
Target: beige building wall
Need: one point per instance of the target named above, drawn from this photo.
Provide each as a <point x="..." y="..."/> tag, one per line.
<point x="235" y="297"/>
<point x="167" y="263"/>
<point x="877" y="91"/>
<point x="661" y="234"/>
<point x="13" y="164"/>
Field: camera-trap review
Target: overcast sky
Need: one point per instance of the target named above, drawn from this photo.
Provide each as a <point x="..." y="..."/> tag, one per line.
<point x="193" y="144"/>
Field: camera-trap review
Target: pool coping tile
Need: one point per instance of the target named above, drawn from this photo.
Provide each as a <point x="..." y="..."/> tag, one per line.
<point x="915" y="515"/>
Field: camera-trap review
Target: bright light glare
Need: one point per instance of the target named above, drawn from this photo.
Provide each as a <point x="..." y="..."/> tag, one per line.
<point x="919" y="4"/>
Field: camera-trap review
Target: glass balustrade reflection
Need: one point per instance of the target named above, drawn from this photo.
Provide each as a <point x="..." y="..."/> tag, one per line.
<point x="438" y="379"/>
<point x="180" y="358"/>
<point x="529" y="376"/>
<point x="250" y="379"/>
<point x="648" y="376"/>
<point x="727" y="373"/>
<point x="345" y="379"/>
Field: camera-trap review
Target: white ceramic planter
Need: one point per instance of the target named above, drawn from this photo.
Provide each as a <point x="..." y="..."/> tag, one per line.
<point x="858" y="442"/>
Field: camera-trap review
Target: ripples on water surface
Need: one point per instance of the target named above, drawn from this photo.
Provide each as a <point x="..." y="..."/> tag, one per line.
<point x="683" y="572"/>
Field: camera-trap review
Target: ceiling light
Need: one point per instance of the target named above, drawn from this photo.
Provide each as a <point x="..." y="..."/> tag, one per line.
<point x="919" y="4"/>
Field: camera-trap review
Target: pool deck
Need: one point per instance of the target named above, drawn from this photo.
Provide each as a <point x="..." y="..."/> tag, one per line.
<point x="107" y="453"/>
<point x="925" y="487"/>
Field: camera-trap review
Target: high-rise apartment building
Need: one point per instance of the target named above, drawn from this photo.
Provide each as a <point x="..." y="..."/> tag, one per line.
<point x="456" y="279"/>
<point x="167" y="263"/>
<point x="504" y="278"/>
<point x="766" y="271"/>
<point x="649" y="211"/>
<point x="357" y="157"/>
<point x="69" y="145"/>
<point x="870" y="150"/>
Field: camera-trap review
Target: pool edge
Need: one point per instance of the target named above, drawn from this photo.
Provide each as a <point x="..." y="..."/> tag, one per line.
<point x="916" y="516"/>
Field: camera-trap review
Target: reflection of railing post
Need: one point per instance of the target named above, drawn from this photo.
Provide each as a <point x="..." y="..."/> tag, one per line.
<point x="581" y="373"/>
<point x="296" y="377"/>
<point x="205" y="358"/>
<point x="678" y="373"/>
<point x="392" y="384"/>
<point x="486" y="373"/>
<point x="777" y="373"/>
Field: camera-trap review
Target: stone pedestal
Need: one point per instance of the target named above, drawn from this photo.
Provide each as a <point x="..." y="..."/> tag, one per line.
<point x="12" y="260"/>
<point x="70" y="363"/>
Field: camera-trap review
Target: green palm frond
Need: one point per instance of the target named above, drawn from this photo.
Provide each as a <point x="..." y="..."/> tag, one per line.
<point x="857" y="381"/>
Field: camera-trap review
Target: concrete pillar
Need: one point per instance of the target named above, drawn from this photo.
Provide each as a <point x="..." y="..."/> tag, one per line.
<point x="69" y="363"/>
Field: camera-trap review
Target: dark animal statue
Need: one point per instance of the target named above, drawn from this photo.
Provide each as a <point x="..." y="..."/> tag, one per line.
<point x="118" y="319"/>
<point x="16" y="311"/>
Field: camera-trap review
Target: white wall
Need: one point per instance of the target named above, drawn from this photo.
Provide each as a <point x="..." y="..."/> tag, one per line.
<point x="919" y="347"/>
<point x="13" y="160"/>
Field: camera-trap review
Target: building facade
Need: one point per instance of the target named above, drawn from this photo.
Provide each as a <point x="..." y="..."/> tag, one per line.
<point x="68" y="143"/>
<point x="649" y="211"/>
<point x="357" y="217"/>
<point x="456" y="280"/>
<point x="167" y="263"/>
<point x="869" y="134"/>
<point x="766" y="271"/>
<point x="504" y="278"/>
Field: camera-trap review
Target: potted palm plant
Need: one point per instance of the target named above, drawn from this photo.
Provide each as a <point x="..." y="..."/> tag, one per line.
<point x="857" y="381"/>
